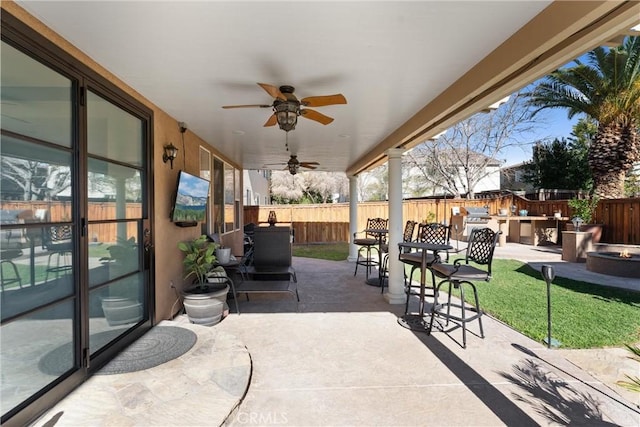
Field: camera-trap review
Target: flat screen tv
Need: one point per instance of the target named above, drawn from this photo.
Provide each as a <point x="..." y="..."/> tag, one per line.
<point x="190" y="205"/>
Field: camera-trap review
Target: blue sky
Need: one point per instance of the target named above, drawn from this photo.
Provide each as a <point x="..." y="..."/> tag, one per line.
<point x="556" y="125"/>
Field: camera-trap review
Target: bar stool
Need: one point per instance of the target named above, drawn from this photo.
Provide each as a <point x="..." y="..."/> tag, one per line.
<point x="434" y="233"/>
<point x="482" y="244"/>
<point x="6" y="258"/>
<point x="407" y="236"/>
<point x="370" y="242"/>
<point x="58" y="241"/>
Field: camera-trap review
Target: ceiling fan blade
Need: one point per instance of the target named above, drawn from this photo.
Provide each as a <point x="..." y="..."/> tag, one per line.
<point x="247" y="106"/>
<point x="314" y="115"/>
<point x="320" y="101"/>
<point x="273" y="91"/>
<point x="307" y="166"/>
<point x="309" y="163"/>
<point x="272" y="121"/>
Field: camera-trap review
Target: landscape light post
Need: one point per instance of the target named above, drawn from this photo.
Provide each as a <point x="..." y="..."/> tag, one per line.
<point x="549" y="274"/>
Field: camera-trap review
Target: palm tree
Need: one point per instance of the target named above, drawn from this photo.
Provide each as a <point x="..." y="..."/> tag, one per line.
<point x="607" y="89"/>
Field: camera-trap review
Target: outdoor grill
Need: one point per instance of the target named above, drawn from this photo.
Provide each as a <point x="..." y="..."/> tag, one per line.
<point x="462" y="224"/>
<point x="476" y="215"/>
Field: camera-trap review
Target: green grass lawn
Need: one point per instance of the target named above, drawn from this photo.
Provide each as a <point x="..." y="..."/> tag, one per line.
<point x="584" y="315"/>
<point x="25" y="274"/>
<point x="40" y="270"/>
<point x="329" y="251"/>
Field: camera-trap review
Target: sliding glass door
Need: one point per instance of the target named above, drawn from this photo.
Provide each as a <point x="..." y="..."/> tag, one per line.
<point x="75" y="284"/>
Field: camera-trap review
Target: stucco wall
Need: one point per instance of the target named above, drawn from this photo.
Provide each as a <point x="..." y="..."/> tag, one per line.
<point x="168" y="259"/>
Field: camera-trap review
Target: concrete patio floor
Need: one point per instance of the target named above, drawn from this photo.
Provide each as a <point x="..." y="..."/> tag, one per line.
<point x="341" y="358"/>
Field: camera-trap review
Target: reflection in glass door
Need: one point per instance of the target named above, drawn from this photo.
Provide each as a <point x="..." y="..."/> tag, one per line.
<point x="116" y="210"/>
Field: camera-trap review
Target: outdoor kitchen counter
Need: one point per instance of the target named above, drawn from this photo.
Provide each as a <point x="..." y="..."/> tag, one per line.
<point x="530" y="230"/>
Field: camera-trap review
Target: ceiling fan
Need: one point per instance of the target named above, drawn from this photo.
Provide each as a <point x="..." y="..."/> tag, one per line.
<point x="294" y="165"/>
<point x="286" y="107"/>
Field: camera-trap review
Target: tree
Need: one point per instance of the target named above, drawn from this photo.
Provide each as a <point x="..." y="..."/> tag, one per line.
<point x="33" y="180"/>
<point x="374" y="185"/>
<point x="459" y="159"/>
<point x="563" y="163"/>
<point x="607" y="89"/>
<point x="306" y="187"/>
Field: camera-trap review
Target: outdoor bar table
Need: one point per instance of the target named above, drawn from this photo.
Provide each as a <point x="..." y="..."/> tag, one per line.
<point x="416" y="321"/>
<point x="379" y="232"/>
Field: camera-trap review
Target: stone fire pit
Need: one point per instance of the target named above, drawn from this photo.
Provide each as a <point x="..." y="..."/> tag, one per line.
<point x="608" y="260"/>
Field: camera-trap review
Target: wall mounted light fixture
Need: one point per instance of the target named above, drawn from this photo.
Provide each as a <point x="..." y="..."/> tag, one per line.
<point x="170" y="153"/>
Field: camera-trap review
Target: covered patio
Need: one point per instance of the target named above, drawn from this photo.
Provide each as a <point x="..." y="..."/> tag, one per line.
<point x="373" y="372"/>
<point x="408" y="70"/>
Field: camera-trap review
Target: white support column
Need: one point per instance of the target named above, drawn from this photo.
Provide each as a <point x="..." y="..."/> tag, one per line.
<point x="395" y="294"/>
<point x="353" y="217"/>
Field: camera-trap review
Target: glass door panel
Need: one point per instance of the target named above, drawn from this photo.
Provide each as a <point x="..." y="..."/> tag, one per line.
<point x="36" y="100"/>
<point x="115" y="191"/>
<point x="73" y="203"/>
<point x="38" y="239"/>
<point x="117" y="278"/>
<point x="113" y="253"/>
<point x="35" y="350"/>
<point x="113" y="133"/>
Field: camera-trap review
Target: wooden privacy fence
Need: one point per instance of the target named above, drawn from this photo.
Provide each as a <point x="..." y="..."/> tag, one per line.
<point x="61" y="212"/>
<point x="330" y="223"/>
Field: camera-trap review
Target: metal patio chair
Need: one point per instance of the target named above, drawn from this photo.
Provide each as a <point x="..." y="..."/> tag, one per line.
<point x="433" y="233"/>
<point x="407" y="236"/>
<point x="369" y="243"/>
<point x="482" y="243"/>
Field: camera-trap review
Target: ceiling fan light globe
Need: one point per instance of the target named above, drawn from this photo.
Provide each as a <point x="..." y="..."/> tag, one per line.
<point x="286" y="115"/>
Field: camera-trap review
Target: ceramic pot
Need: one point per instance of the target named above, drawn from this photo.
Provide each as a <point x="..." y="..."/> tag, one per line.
<point x="120" y="311"/>
<point x="223" y="255"/>
<point x="205" y="306"/>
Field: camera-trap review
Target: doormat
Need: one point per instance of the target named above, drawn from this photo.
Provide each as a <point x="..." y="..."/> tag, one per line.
<point x="161" y="344"/>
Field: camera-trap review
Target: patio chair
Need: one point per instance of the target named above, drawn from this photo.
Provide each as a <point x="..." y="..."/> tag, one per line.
<point x="482" y="244"/>
<point x="57" y="240"/>
<point x="434" y="233"/>
<point x="407" y="236"/>
<point x="6" y="258"/>
<point x="369" y="243"/>
<point x="272" y="254"/>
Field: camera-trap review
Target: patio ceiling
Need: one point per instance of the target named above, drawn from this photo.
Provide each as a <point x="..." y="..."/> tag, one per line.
<point x="408" y="69"/>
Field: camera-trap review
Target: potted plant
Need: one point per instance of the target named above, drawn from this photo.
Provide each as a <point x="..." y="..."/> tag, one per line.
<point x="585" y="209"/>
<point x="203" y="300"/>
<point x="122" y="305"/>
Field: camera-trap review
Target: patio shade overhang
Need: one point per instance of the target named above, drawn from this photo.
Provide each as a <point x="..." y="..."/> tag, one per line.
<point x="560" y="33"/>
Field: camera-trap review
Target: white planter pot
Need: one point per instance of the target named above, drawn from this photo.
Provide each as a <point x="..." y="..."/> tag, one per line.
<point x="205" y="308"/>
<point x="223" y="255"/>
<point x="120" y="311"/>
